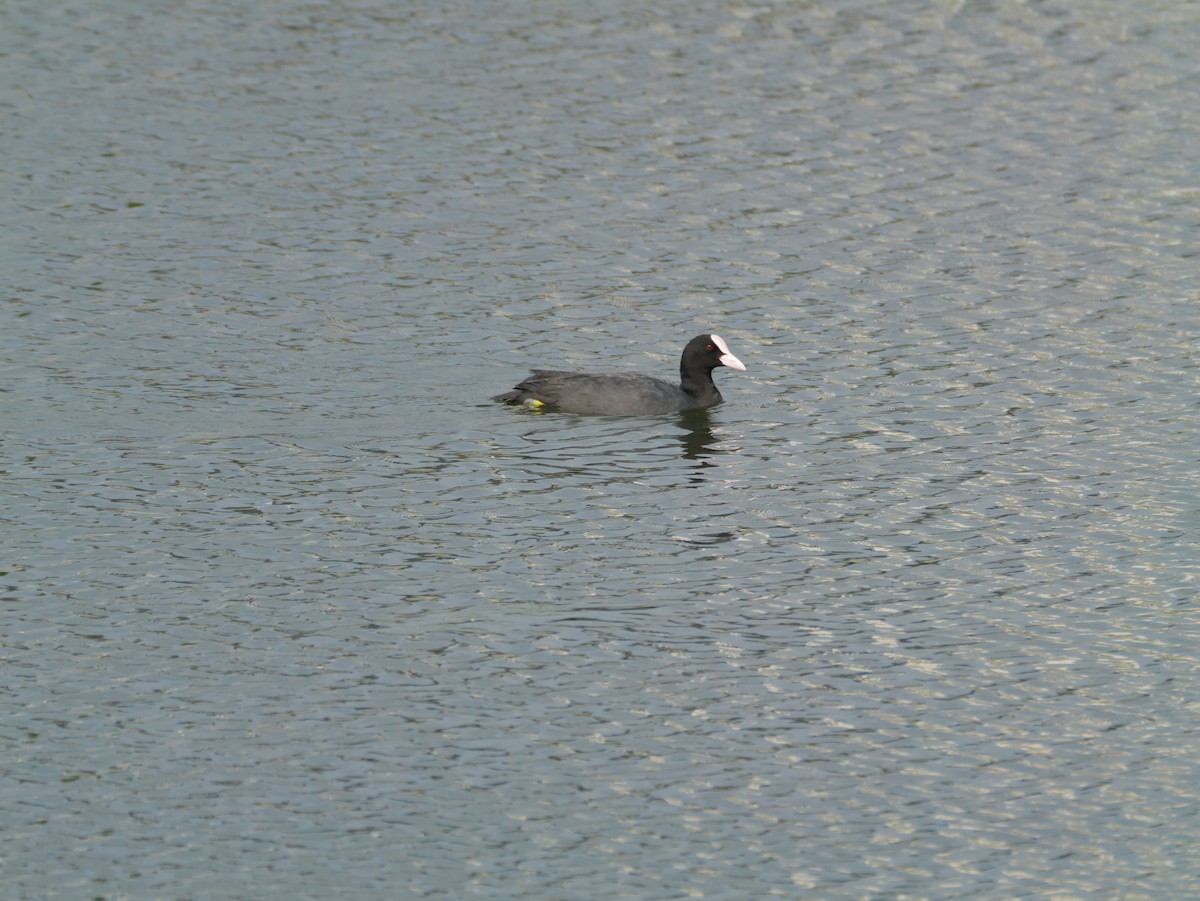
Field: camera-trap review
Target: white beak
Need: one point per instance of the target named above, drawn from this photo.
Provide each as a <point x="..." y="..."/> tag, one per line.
<point x="727" y="359"/>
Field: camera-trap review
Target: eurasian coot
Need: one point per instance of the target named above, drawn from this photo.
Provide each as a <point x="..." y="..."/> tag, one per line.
<point x="630" y="394"/>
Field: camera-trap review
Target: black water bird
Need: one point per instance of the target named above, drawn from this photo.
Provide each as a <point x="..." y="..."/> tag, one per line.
<point x="630" y="394"/>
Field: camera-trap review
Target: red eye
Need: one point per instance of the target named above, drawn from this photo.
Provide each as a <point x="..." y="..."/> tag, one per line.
<point x="710" y="347"/>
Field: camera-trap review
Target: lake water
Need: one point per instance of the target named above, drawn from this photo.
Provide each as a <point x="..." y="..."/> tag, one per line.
<point x="292" y="610"/>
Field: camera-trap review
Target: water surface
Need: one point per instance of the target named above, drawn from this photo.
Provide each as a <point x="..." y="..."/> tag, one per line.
<point x="292" y="609"/>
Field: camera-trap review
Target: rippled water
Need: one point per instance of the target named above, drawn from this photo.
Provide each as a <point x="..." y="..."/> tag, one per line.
<point x="292" y="609"/>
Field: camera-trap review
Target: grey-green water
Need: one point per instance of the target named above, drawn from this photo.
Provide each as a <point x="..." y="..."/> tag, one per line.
<point x="291" y="610"/>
